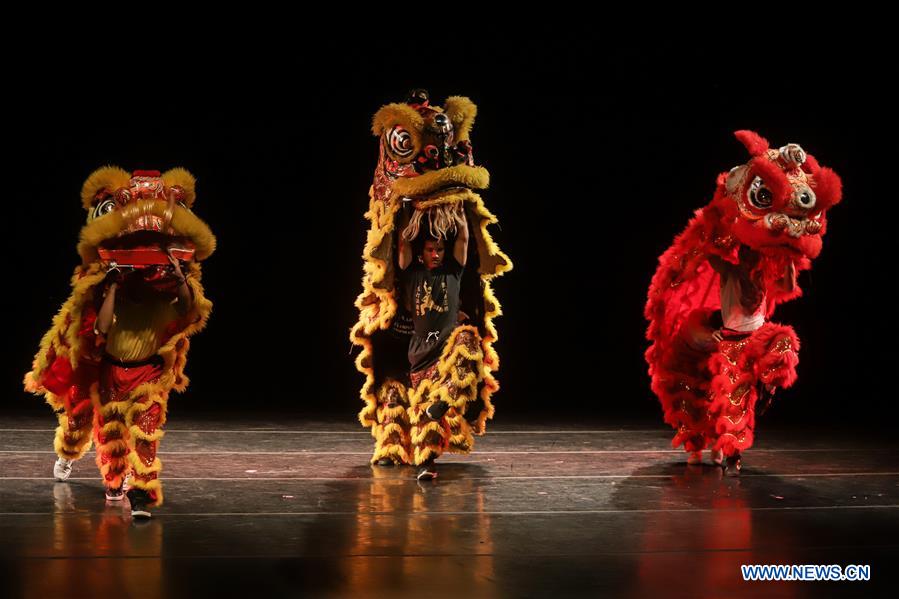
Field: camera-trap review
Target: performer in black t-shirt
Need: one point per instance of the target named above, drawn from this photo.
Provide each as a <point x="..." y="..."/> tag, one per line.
<point x="432" y="286"/>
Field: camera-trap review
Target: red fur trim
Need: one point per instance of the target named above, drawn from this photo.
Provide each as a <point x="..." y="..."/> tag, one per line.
<point x="777" y="348"/>
<point x="828" y="188"/>
<point x="775" y="179"/>
<point x="754" y="143"/>
<point x="763" y="239"/>
<point x="810" y="165"/>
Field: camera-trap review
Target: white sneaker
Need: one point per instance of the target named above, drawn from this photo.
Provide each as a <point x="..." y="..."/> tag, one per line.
<point x="115" y="494"/>
<point x="62" y="469"/>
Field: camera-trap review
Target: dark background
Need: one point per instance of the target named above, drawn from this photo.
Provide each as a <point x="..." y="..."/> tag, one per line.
<point x="598" y="155"/>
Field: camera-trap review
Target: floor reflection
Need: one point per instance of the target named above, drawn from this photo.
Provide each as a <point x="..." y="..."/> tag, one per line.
<point x="77" y="532"/>
<point x="710" y="531"/>
<point x="391" y="522"/>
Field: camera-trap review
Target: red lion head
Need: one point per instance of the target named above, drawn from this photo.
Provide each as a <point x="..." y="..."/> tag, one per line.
<point x="779" y="199"/>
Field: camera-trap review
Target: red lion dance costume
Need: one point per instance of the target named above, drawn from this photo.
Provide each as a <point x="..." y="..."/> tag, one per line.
<point x="764" y="224"/>
<point x="426" y="162"/>
<point x="117" y="384"/>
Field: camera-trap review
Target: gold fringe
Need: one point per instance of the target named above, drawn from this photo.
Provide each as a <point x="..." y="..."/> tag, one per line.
<point x="82" y="437"/>
<point x="114" y="426"/>
<point x="138" y="466"/>
<point x="395" y="412"/>
<point x="426" y="452"/>
<point x="397" y="453"/>
<point x="421" y="431"/>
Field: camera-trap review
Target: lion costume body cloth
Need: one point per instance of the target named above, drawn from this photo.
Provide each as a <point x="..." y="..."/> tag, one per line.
<point x="114" y="390"/>
<point x="740" y="253"/>
<point x="426" y="163"/>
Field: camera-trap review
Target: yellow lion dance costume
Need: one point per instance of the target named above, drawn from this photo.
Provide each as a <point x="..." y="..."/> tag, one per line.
<point x="426" y="168"/>
<point x="118" y="386"/>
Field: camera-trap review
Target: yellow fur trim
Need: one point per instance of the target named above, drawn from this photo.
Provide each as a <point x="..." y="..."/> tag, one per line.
<point x="425" y="453"/>
<point x="114" y="407"/>
<point x="470" y="379"/>
<point x="62" y="338"/>
<point x="473" y="177"/>
<point x="384" y="392"/>
<point x="112" y="178"/>
<point x="392" y="439"/>
<point x="397" y="114"/>
<point x="419" y="396"/>
<point x="32" y="386"/>
<point x="395" y="432"/>
<point x="63" y="419"/>
<point x="420" y="432"/>
<point x="184" y="222"/>
<point x="82" y="437"/>
<point x="114" y="448"/>
<point x="395" y="412"/>
<point x="143" y="398"/>
<point x="461" y="111"/>
<point x="138" y="433"/>
<point x="396" y="452"/>
<point x="52" y="400"/>
<point x="393" y="428"/>
<point x="181" y="176"/>
<point x="461" y="439"/>
<point x="109" y="178"/>
<point x="138" y="466"/>
<point x="454" y="420"/>
<point x="114" y="427"/>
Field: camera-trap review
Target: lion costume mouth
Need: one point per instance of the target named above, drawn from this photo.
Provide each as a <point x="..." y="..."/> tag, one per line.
<point x="146" y="247"/>
<point x="138" y="220"/>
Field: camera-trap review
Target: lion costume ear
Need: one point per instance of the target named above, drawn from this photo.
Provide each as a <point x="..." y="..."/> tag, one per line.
<point x="461" y="111"/>
<point x="181" y="176"/>
<point x="754" y="143"/>
<point x="106" y="178"/>
<point x="395" y="114"/>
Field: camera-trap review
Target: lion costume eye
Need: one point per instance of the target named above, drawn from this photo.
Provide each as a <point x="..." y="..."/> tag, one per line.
<point x="104" y="207"/>
<point x="400" y="142"/>
<point x="760" y="196"/>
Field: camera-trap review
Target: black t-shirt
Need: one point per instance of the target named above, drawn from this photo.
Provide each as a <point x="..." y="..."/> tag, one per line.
<point x="434" y="303"/>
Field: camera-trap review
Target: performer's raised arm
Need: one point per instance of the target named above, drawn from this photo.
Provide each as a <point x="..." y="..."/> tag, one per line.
<point x="460" y="248"/>
<point x="787" y="282"/>
<point x="404" y="247"/>
<point x="107" y="310"/>
<point x="185" y="295"/>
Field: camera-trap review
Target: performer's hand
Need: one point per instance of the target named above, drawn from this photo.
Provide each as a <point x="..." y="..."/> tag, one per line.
<point x="462" y="317"/>
<point x="176" y="264"/>
<point x="114" y="275"/>
<point x="718" y="335"/>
